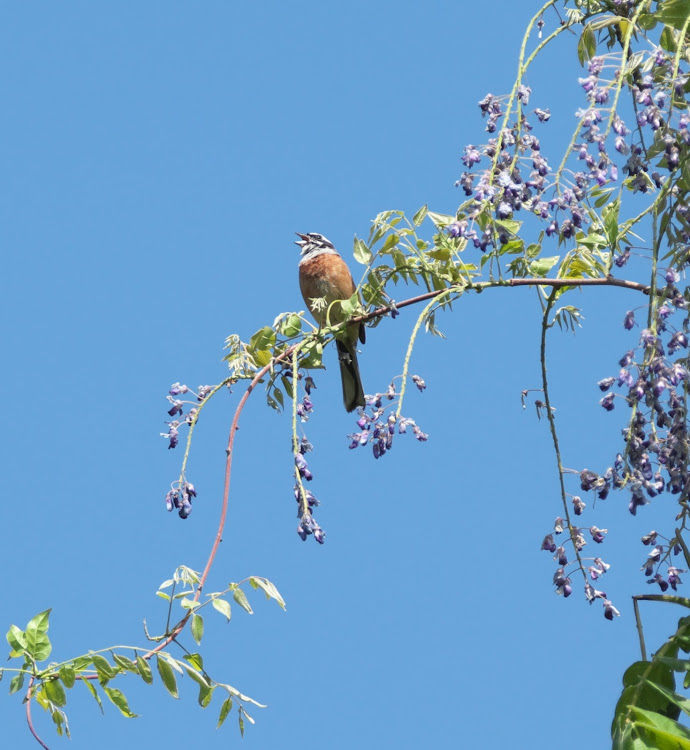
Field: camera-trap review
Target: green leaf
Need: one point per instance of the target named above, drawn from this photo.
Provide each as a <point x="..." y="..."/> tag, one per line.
<point x="38" y="624"/>
<point x="92" y="689"/>
<point x="439" y="253"/>
<point x="168" y="676"/>
<point x="647" y="21"/>
<point x="197" y="627"/>
<point x="264" y="338"/>
<point x="67" y="675"/>
<point x="124" y="663"/>
<point x="17" y="640"/>
<point x="611" y="224"/>
<point x="223" y="607"/>
<point x="37" y="642"/>
<point x="104" y="668"/>
<point x="362" y="253"/>
<point x="350" y="306"/>
<point x="205" y="695"/>
<point x="55" y="692"/>
<point x="586" y="46"/>
<point x="17" y="682"/>
<point x="677" y="665"/>
<point x="440" y="220"/>
<point x="674" y="12"/>
<point x="118" y="698"/>
<point x="391" y="241"/>
<point x="144" y="670"/>
<point x="268" y="588"/>
<point x="291" y="326"/>
<point x="224" y="711"/>
<point x="195" y="660"/>
<point x="667" y="40"/>
<point x="241" y="598"/>
<point x="59" y="719"/>
<point x="188" y="603"/>
<point x="542" y="266"/>
<point x="419" y="217"/>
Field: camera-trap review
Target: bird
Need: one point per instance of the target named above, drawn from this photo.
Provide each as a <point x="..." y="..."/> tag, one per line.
<point x="323" y="274"/>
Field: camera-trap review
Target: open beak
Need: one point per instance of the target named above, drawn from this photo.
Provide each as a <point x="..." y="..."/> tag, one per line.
<point x="304" y="239"/>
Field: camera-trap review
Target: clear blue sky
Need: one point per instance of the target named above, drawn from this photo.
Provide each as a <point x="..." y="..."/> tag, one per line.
<point x="157" y="158"/>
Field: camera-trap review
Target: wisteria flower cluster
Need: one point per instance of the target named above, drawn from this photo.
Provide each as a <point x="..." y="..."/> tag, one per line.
<point x="306" y="501"/>
<point x="179" y="497"/>
<point x="652" y="382"/>
<point x="379" y="432"/>
<point x="577" y="540"/>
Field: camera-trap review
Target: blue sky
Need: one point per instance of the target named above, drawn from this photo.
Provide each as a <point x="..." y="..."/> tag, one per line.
<point x="157" y="159"/>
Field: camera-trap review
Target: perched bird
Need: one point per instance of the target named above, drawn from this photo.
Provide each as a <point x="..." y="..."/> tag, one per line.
<point x="324" y="274"/>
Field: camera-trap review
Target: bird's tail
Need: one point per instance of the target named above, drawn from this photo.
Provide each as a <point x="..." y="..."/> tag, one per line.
<point x="353" y="393"/>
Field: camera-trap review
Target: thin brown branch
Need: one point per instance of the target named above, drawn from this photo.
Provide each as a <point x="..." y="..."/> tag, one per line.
<point x="29" y="721"/>
<point x="481" y="286"/>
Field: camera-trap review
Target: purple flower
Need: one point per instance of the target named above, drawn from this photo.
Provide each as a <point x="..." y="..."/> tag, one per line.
<point x="674" y="577"/>
<point x="203" y="391"/>
<point x="597" y="534"/>
<point x="629" y="320"/>
<point x="419" y="435"/>
<point x="625" y="378"/>
<point x="606" y="383"/>
<point x="523" y="93"/>
<point x="561" y="556"/>
<point x="607" y="402"/>
<point x="543" y="115"/>
<point x="302" y="467"/>
<point x="589" y="480"/>
<point x="471" y="156"/>
<point x="457" y="228"/>
<point x="595" y="65"/>
<point x="647" y="337"/>
<point x="548" y="544"/>
<point x="658" y="578"/>
<point x="177" y="389"/>
<point x="504" y="210"/>
<point x="309" y="384"/>
<point x="176" y="408"/>
<point x="623" y="258"/>
<point x="419" y="382"/>
<point x="171" y="500"/>
<point x="578" y="505"/>
<point x="610" y="611"/>
<point x="587" y="83"/>
<point x="677" y="341"/>
<point x="173" y="434"/>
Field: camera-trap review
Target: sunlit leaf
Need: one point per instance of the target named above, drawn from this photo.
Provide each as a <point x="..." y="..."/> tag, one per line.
<point x="55" y="692"/>
<point x="197" y="627"/>
<point x="241" y="598"/>
<point x="168" y="676"/>
<point x="118" y="698"/>
<point x="144" y="670"/>
<point x="223" y="606"/>
<point x="224" y="711"/>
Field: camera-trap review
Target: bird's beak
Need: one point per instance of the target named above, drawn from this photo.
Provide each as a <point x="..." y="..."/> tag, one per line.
<point x="303" y="241"/>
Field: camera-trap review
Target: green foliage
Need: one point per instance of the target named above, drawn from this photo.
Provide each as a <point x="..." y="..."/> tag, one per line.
<point x="50" y="683"/>
<point x="647" y="712"/>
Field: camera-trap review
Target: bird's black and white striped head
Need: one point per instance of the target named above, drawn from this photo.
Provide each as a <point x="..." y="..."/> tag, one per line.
<point x="314" y="243"/>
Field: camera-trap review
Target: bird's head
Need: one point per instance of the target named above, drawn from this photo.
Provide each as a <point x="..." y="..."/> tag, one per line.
<point x="312" y="242"/>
